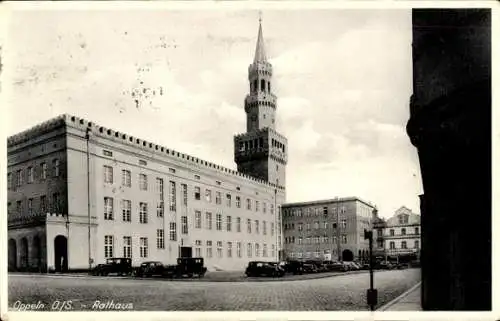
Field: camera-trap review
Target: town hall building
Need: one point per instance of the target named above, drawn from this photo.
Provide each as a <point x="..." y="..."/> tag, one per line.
<point x="79" y="193"/>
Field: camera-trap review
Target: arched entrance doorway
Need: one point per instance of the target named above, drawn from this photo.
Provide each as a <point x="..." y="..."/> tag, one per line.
<point x="12" y="255"/>
<point x="347" y="255"/>
<point x="37" y="252"/>
<point x="61" y="253"/>
<point x="23" y="257"/>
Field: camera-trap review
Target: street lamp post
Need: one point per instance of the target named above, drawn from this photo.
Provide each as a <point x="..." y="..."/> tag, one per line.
<point x="87" y="137"/>
<point x="371" y="293"/>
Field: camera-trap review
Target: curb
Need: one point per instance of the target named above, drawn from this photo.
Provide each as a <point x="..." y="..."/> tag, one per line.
<point x="400" y="297"/>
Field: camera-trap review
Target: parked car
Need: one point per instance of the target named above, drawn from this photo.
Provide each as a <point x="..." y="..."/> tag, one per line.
<point x="260" y="268"/>
<point x="120" y="266"/>
<point x="310" y="268"/>
<point x="189" y="266"/>
<point x="350" y="266"/>
<point x="295" y="267"/>
<point x="150" y="268"/>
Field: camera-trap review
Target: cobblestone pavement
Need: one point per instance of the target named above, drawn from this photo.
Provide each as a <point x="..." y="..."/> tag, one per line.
<point x="342" y="292"/>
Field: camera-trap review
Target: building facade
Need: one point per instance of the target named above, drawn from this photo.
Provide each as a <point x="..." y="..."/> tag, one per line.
<point x="398" y="238"/>
<point x="327" y="229"/>
<point x="79" y="193"/>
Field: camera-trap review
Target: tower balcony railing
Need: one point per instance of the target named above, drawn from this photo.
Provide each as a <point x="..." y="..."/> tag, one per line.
<point x="261" y="96"/>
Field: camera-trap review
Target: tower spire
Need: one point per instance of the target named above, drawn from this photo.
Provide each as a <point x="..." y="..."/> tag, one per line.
<point x="260" y="52"/>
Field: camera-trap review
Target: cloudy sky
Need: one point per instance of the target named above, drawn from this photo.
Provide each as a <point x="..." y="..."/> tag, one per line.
<point x="342" y="77"/>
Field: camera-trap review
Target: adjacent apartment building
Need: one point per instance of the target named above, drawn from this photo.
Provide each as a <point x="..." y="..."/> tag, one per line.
<point x="79" y="193"/>
<point x="398" y="238"/>
<point x="327" y="229"/>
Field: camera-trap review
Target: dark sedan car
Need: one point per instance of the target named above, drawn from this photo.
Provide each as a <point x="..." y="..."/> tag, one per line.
<point x="151" y="268"/>
<point x="120" y="266"/>
<point x="259" y="268"/>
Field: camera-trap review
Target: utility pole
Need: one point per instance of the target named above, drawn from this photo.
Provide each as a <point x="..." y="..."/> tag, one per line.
<point x="339" y="254"/>
<point x="371" y="293"/>
<point x="87" y="137"/>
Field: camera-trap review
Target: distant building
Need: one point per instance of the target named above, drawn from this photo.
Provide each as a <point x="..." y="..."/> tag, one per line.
<point x="327" y="229"/>
<point x="398" y="238"/>
<point x="79" y="193"/>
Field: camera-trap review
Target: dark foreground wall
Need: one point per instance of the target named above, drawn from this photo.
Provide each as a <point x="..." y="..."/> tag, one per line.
<point x="450" y="124"/>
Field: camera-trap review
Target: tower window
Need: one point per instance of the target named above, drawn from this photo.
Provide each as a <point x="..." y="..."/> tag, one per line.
<point x="255" y="85"/>
<point x="262" y="85"/>
<point x="268" y="86"/>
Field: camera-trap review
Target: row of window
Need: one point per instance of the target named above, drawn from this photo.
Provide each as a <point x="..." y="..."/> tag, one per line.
<point x="44" y="206"/>
<point x="316" y="225"/>
<point x="252" y="248"/>
<point x="314" y="239"/>
<point x="311" y="212"/>
<point x="306" y="255"/>
<point x="126" y="207"/>
<point x="32" y="174"/>
<point x="392" y="245"/>
<point x="208" y="196"/>
<point x="403" y="232"/>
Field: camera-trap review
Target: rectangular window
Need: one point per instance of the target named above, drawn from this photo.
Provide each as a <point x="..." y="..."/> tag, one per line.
<point x="272" y="208"/>
<point x="325" y="211"/>
<point x="264" y="250"/>
<point x="308" y="226"/>
<point x="316" y="225"/>
<point x="44" y="171"/>
<point x="229" y="249"/>
<point x="126" y="178"/>
<point x="43" y="204"/>
<point x="228" y="200"/>
<point x="208" y="195"/>
<point x="299" y="226"/>
<point x="228" y="224"/>
<point x="127" y="246"/>
<point x="209" y="249"/>
<point x="238" y="249"/>
<point x="184" y="224"/>
<point x="30" y="206"/>
<point x="264" y="227"/>
<point x="249" y="226"/>
<point x="257" y="226"/>
<point x="238" y="224"/>
<point x="160" y="209"/>
<point x="171" y="170"/>
<point x="272" y="229"/>
<point x="392" y="245"/>
<point x="197" y="219"/>
<point x="257" y="250"/>
<point x="238" y="202"/>
<point x="160" y="239"/>
<point x="218" y="199"/>
<point x="126" y="210"/>
<point x="159" y="187"/>
<point x="19" y="177"/>
<point x="300" y="240"/>
<point x="218" y="222"/>
<point x="249" y="204"/>
<point x="416" y="230"/>
<point x="107" y="153"/>
<point x="19" y="207"/>
<point x="343" y="222"/>
<point x="173" y="231"/>
<point x="108" y="208"/>
<point x="184" y="188"/>
<point x="197" y="249"/>
<point x="142" y="162"/>
<point x="143" y="182"/>
<point x="173" y="203"/>
<point x="197" y="177"/>
<point x="57" y="169"/>
<point x="144" y="247"/>
<point x="143" y="213"/>
<point x="403" y="244"/>
<point x="416" y="244"/>
<point x="257" y="207"/>
<point x="273" y="251"/>
<point x="9" y="180"/>
<point x="108" y="246"/>
<point x="249" y="250"/>
<point x="264" y="207"/>
<point x="325" y="225"/>
<point x="344" y="239"/>
<point x="219" y="248"/>
<point x="108" y="174"/>
<point x="197" y="193"/>
<point x="30" y="175"/>
<point x="208" y="219"/>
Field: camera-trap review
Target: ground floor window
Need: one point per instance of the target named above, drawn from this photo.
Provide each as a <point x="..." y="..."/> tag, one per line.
<point x="197" y="249"/>
<point x="249" y="250"/>
<point x="257" y="250"/>
<point x="238" y="249"/>
<point x="229" y="249"/>
<point x="108" y="246"/>
<point x="127" y="246"/>
<point x="209" y="249"/>
<point x="264" y="250"/>
<point x="219" y="249"/>
<point x="273" y="251"/>
<point x="160" y="239"/>
<point x="143" y="247"/>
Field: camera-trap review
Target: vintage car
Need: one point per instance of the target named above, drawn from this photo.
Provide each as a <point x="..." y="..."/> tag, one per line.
<point x="120" y="266"/>
<point x="150" y="268"/>
<point x="186" y="266"/>
<point x="295" y="267"/>
<point x="260" y="268"/>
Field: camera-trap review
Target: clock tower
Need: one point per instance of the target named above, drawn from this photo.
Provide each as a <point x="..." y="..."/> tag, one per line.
<point x="261" y="152"/>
